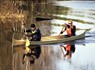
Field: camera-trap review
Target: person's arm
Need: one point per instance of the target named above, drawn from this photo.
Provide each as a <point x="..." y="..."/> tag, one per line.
<point x="27" y="32"/>
<point x="64" y="28"/>
<point x="62" y="31"/>
<point x="63" y="47"/>
<point x="75" y="28"/>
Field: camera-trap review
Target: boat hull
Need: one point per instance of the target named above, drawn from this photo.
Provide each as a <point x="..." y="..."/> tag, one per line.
<point x="50" y="40"/>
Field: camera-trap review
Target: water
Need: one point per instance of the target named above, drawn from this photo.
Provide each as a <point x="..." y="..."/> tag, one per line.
<point x="81" y="10"/>
<point x="83" y="57"/>
<point x="52" y="56"/>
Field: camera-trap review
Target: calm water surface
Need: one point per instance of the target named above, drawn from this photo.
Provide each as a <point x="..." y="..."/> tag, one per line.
<point x="52" y="56"/>
<point x="83" y="58"/>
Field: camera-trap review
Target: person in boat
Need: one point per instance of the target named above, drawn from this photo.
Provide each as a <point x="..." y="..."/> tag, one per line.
<point x="34" y="34"/>
<point x="70" y="29"/>
<point x="73" y="27"/>
<point x="69" y="48"/>
<point x="32" y="54"/>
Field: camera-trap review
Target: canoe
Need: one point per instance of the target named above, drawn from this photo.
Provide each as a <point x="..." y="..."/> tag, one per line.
<point x="51" y="39"/>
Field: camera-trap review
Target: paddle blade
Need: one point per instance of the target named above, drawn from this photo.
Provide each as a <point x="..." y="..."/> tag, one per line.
<point x="26" y="46"/>
<point x="27" y="50"/>
<point x="42" y="19"/>
<point x="27" y="42"/>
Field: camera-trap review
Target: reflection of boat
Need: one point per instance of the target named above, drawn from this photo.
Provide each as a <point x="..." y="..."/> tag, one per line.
<point x="33" y="53"/>
<point x="52" y="39"/>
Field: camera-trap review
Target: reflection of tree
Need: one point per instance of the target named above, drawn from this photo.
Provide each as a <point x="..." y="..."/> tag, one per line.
<point x="62" y="10"/>
<point x="13" y="13"/>
<point x="5" y="46"/>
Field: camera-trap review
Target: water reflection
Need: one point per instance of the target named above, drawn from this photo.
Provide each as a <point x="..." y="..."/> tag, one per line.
<point x="69" y="49"/>
<point x="78" y="10"/>
<point x="32" y="54"/>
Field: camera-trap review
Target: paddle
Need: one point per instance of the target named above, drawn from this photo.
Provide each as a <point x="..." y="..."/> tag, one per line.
<point x="62" y="29"/>
<point x="62" y="49"/>
<point x="27" y="49"/>
<point x="42" y="19"/>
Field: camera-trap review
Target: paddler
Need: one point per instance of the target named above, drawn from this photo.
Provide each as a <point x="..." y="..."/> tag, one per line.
<point x="33" y="33"/>
<point x="73" y="27"/>
<point x="69" y="28"/>
<point x="69" y="48"/>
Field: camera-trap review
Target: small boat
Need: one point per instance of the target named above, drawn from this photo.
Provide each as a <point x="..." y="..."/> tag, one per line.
<point x="51" y="39"/>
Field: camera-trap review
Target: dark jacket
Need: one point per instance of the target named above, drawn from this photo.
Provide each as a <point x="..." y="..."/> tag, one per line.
<point x="36" y="35"/>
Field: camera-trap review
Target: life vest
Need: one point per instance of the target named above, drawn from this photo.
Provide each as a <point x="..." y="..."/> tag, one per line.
<point x="33" y="31"/>
<point x="69" y="32"/>
<point x="68" y="47"/>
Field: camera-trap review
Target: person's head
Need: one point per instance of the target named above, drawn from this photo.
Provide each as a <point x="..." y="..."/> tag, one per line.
<point x="70" y="22"/>
<point x="32" y="61"/>
<point x="33" y="27"/>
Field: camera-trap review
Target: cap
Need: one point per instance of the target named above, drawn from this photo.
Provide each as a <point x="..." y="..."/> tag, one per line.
<point x="70" y="21"/>
<point x="33" y="25"/>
